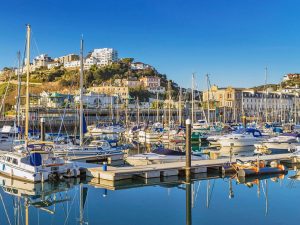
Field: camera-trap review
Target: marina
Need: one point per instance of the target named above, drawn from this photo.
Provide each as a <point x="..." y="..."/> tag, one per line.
<point x="149" y="112"/>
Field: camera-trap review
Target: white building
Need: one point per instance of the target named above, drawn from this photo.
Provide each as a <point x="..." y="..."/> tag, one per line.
<point x="155" y="90"/>
<point x="53" y="64"/>
<point x="92" y="99"/>
<point x="41" y="61"/>
<point x="139" y="66"/>
<point x="72" y="64"/>
<point x="89" y="62"/>
<point x="273" y="104"/>
<point x="105" y="56"/>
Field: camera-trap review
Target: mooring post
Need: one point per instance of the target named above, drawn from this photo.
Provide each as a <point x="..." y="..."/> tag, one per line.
<point x="188" y="150"/>
<point x="42" y="129"/>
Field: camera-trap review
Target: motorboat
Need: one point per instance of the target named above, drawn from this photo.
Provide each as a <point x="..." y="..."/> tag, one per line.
<point x="36" y="163"/>
<point x="110" y="129"/>
<point x="283" y="142"/>
<point x="201" y="125"/>
<point x="248" y="138"/>
<point x="7" y="136"/>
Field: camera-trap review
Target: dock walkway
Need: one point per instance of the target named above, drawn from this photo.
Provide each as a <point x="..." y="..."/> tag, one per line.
<point x="170" y="169"/>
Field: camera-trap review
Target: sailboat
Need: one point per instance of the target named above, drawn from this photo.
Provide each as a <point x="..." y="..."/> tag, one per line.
<point x="34" y="161"/>
<point x="82" y="149"/>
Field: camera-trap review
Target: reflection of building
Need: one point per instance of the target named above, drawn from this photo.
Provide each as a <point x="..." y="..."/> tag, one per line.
<point x="121" y="91"/>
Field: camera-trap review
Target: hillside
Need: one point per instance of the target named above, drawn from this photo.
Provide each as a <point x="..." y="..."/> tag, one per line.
<point x="67" y="80"/>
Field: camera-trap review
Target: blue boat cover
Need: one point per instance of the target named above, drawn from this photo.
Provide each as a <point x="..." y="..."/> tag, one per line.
<point x="35" y="159"/>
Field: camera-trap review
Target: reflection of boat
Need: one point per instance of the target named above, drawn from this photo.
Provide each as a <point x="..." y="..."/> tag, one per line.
<point x="159" y="156"/>
<point x="42" y="196"/>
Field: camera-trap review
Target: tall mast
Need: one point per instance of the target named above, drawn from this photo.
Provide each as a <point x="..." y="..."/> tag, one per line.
<point x="19" y="89"/>
<point x="27" y="85"/>
<point x="157" y="108"/>
<point x="111" y="105"/>
<point x="193" y="77"/>
<point x="81" y="93"/>
<point x="180" y="110"/>
<point x="266" y="94"/>
<point x="281" y="116"/>
<point x="138" y="110"/>
<point x="169" y="90"/>
<point x="208" y="109"/>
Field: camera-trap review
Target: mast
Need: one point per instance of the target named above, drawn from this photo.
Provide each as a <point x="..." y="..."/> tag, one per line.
<point x="169" y="90"/>
<point x="281" y="103"/>
<point x="27" y="84"/>
<point x="19" y="89"/>
<point x="193" y="77"/>
<point x="81" y="93"/>
<point x="111" y="105"/>
<point x="138" y="111"/>
<point x="266" y="94"/>
<point x="157" y="109"/>
<point x="180" y="110"/>
<point x="295" y="109"/>
<point x="208" y="109"/>
<point x="126" y="111"/>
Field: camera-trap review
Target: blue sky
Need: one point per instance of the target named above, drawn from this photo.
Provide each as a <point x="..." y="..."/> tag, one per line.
<point x="232" y="40"/>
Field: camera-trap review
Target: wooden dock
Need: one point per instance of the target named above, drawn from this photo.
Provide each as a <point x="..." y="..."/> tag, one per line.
<point x="169" y="169"/>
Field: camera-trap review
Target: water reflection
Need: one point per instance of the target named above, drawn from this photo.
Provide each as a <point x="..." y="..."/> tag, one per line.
<point x="208" y="199"/>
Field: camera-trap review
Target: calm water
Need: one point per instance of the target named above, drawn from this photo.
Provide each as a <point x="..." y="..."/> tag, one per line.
<point x="214" y="201"/>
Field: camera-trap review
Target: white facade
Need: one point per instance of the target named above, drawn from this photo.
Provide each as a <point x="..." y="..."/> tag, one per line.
<point x="105" y="56"/>
<point x="72" y="64"/>
<point x="41" y="61"/>
<point x="89" y="62"/>
<point x="96" y="100"/>
<point x="139" y="66"/>
<point x="155" y="90"/>
<point x="269" y="104"/>
<point x="52" y="65"/>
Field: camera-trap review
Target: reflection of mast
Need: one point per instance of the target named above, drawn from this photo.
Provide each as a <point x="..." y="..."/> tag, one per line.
<point x="26" y="212"/>
<point x="231" y="194"/>
<point x="188" y="201"/>
<point x="83" y="195"/>
<point x="207" y="193"/>
<point x="266" y="195"/>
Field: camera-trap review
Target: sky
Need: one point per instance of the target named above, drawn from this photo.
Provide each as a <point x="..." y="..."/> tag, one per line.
<point x="231" y="40"/>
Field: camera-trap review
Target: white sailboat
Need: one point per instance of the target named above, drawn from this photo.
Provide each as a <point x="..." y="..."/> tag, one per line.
<point x="34" y="161"/>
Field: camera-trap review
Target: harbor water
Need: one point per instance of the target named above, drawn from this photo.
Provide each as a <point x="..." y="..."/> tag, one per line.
<point x="208" y="201"/>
